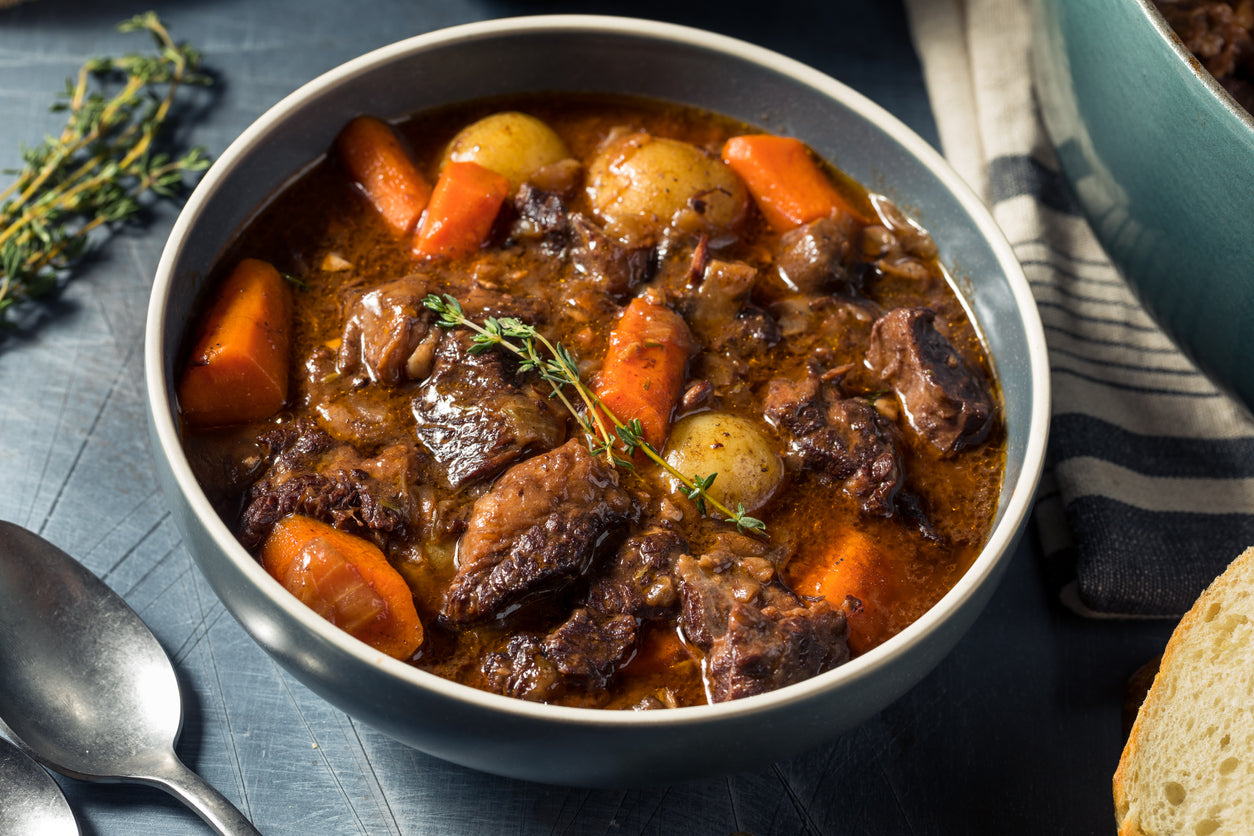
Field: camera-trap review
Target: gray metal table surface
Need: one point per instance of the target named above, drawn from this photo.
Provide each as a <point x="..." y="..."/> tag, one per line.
<point x="1018" y="731"/>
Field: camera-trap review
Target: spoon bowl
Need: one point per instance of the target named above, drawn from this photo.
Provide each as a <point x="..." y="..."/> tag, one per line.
<point x="30" y="801"/>
<point x="88" y="690"/>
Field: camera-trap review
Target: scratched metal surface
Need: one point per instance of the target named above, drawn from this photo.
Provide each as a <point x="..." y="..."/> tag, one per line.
<point x="1017" y="732"/>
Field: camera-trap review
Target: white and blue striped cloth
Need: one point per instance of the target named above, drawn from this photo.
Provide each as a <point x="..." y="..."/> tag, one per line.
<point x="1149" y="487"/>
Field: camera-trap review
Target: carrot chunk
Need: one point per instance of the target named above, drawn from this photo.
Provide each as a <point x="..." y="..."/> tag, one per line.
<point x="238" y="369"/>
<point x="347" y="581"/>
<point x="643" y="372"/>
<point x="851" y="565"/>
<point x="785" y="181"/>
<point x="379" y="163"/>
<point x="463" y="207"/>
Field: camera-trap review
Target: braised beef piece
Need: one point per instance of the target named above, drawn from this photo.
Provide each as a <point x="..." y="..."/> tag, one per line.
<point x="589" y="647"/>
<point x="581" y="654"/>
<point x="714" y="306"/>
<point x="943" y="398"/>
<point x="536" y="530"/>
<point x="749" y="333"/>
<point x="844" y="440"/>
<point x="640" y="581"/>
<point x="734" y="569"/>
<point x="543" y="213"/>
<point x="314" y="476"/>
<point x="765" y="649"/>
<point x="756" y="635"/>
<point x="519" y="670"/>
<point x="614" y="268"/>
<point x="476" y="414"/>
<point x="713" y="297"/>
<point x="595" y="257"/>
<point x="389" y="336"/>
<point x="811" y="258"/>
<point x="484" y="298"/>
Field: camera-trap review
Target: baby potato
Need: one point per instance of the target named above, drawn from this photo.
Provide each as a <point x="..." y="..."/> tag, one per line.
<point x="641" y="185"/>
<point x="749" y="470"/>
<point x="510" y="143"/>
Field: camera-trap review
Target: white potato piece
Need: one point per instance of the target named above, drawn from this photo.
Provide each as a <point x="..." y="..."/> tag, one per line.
<point x="641" y="185"/>
<point x="749" y="470"/>
<point x="512" y="144"/>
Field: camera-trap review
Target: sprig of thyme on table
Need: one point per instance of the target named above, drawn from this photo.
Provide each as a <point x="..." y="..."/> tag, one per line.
<point x="94" y="173"/>
<point x="558" y="367"/>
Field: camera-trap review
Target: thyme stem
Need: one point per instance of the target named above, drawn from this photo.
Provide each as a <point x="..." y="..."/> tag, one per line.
<point x="94" y="173"/>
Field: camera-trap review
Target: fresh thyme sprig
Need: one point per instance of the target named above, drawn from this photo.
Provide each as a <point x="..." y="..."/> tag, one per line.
<point x="559" y="368"/>
<point x="96" y="171"/>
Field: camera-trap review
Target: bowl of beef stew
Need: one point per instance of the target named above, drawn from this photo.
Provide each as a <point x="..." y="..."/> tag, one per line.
<point x="1143" y="101"/>
<point x="591" y="421"/>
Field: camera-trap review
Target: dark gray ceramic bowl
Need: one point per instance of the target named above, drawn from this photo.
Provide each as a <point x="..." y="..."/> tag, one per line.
<point x="1161" y="160"/>
<point x="548" y="743"/>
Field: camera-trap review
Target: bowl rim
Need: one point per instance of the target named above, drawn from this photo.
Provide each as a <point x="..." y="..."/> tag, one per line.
<point x="1194" y="65"/>
<point x="997" y="551"/>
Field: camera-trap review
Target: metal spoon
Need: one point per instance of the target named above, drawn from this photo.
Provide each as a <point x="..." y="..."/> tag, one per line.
<point x="31" y="803"/>
<point x="87" y="690"/>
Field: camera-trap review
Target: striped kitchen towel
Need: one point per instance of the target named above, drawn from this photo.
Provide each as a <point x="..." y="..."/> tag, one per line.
<point x="1149" y="486"/>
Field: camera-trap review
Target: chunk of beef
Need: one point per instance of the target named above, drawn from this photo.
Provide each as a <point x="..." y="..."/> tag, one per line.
<point x="519" y="670"/>
<point x="314" y="476"/>
<point x="389" y="335"/>
<point x="588" y="648"/>
<point x="710" y="583"/>
<point x="599" y="262"/>
<point x="749" y="333"/>
<point x="613" y="267"/>
<point x="476" y="416"/>
<point x="541" y="214"/>
<point x="811" y="258"/>
<point x="545" y="211"/>
<point x="581" y="654"/>
<point x="757" y="636"/>
<point x="765" y="649"/>
<point x="713" y="305"/>
<point x="733" y="330"/>
<point x="845" y="440"/>
<point x="640" y="580"/>
<point x="536" y="530"/>
<point x="943" y="398"/>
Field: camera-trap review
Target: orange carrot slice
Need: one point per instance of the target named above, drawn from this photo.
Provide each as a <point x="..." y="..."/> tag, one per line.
<point x="377" y="161"/>
<point x="464" y="205"/>
<point x="787" y="184"/>
<point x="851" y="565"/>
<point x="238" y="369"/>
<point x="347" y="581"/>
<point x="643" y="372"/>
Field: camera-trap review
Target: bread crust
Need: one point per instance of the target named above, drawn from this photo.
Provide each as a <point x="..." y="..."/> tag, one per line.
<point x="1162" y="698"/>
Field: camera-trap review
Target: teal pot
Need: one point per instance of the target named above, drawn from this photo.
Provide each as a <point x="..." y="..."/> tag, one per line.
<point x="1161" y="159"/>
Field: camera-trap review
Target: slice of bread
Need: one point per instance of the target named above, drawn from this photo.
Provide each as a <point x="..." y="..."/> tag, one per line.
<point x="1188" y="767"/>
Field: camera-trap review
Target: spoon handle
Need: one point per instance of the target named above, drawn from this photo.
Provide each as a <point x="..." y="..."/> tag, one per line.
<point x="198" y="794"/>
